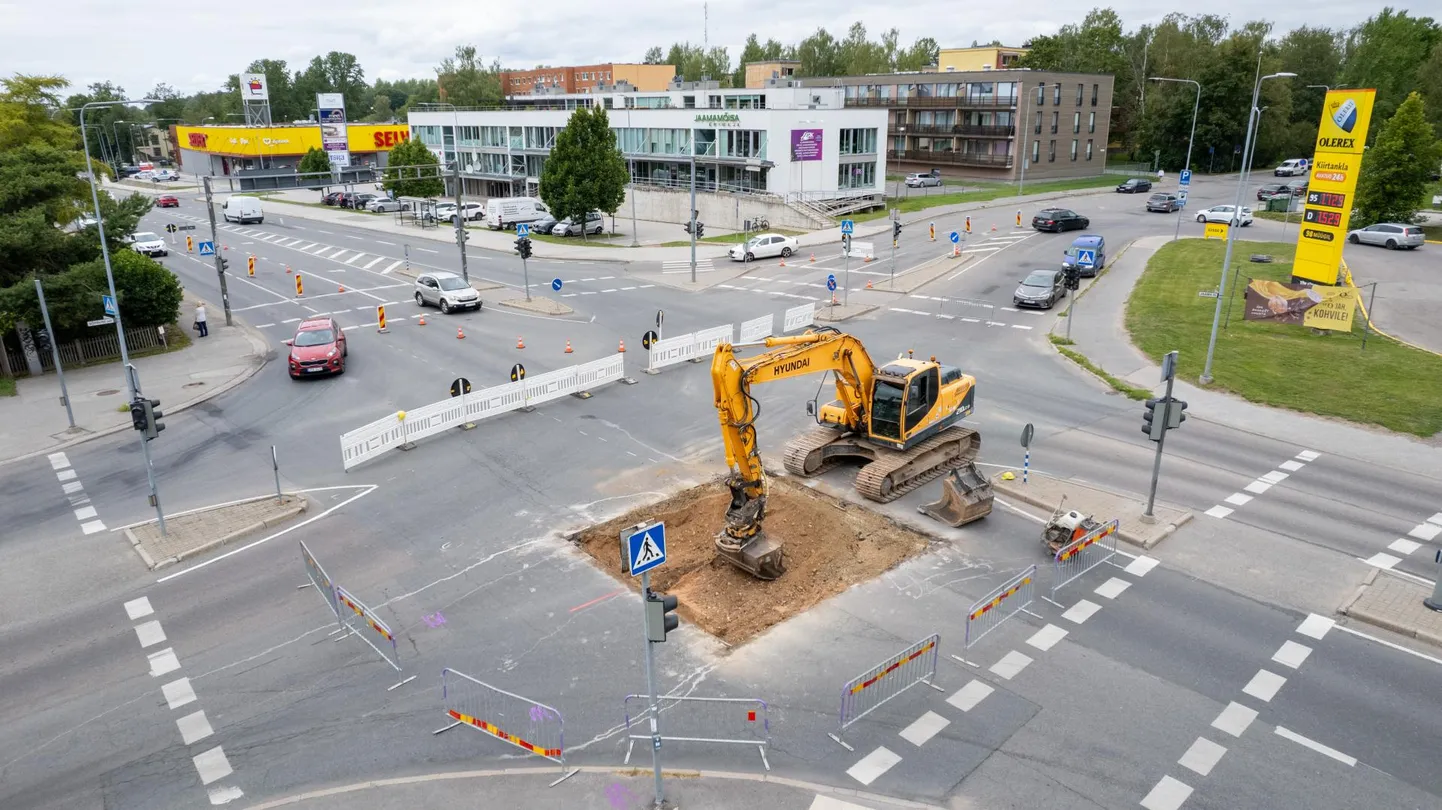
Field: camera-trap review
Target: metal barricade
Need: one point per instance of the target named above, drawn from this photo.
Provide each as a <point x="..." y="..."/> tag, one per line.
<point x="361" y="622"/>
<point x="520" y="721"/>
<point x="987" y="613"/>
<point x="1082" y="555"/>
<point x="798" y="317"/>
<point x="864" y="693"/>
<point x="670" y="351"/>
<point x="757" y="328"/>
<point x="739" y="721"/>
<point x="319" y="580"/>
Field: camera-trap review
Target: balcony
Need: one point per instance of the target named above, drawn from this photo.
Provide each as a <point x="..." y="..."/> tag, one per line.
<point x="934" y="102"/>
<point x="951" y="158"/>
<point x="976" y="130"/>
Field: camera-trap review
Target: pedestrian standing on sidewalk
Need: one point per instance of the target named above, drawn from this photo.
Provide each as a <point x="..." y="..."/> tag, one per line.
<point x="200" y="325"/>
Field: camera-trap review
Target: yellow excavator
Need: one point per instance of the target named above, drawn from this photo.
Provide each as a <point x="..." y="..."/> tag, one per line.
<point x="900" y="418"/>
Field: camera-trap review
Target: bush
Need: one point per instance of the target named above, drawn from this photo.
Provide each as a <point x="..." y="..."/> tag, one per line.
<point x="150" y="295"/>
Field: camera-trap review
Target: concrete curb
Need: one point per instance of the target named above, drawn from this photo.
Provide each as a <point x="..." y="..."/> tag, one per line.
<point x="848" y="312"/>
<point x="1123" y="531"/>
<point x="1349" y="608"/>
<point x="538" y="305"/>
<point x="212" y="545"/>
<point x="923" y="274"/>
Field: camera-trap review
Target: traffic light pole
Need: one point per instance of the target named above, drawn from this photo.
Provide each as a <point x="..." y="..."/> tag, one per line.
<point x="219" y="260"/>
<point x="651" y="689"/>
<point x="133" y="375"/>
<point x="461" y="227"/>
<point x="1169" y="366"/>
<point x="525" y="274"/>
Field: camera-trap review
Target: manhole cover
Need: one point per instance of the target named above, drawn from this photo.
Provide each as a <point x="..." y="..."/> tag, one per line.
<point x="107" y="392"/>
<point x="192" y="385"/>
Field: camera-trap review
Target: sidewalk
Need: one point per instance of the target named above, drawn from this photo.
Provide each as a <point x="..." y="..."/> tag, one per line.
<point x="1100" y="334"/>
<point x="34" y="421"/>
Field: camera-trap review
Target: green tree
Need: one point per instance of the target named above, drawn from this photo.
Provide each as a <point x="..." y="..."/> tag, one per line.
<point x="585" y="171"/>
<point x="336" y="72"/>
<point x="403" y="164"/>
<point x="26" y="103"/>
<point x="922" y="54"/>
<point x="1398" y="166"/>
<point x="38" y="192"/>
<point x="149" y="295"/>
<point x="1385" y="52"/>
<point x="467" y="81"/>
<point x="313" y="161"/>
<point x="1429" y="81"/>
<point x="653" y="56"/>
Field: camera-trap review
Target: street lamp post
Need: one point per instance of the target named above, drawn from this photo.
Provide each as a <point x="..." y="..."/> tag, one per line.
<point x="1196" y="105"/>
<point x="1253" y="118"/>
<point x="631" y="170"/>
<point x="1026" y="135"/>
<point x="460" y="219"/>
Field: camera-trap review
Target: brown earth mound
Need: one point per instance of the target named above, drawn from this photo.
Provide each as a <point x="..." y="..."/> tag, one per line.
<point x="830" y="546"/>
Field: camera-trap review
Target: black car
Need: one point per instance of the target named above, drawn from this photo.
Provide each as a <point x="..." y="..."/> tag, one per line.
<point x="1165" y="203"/>
<point x="1041" y="288"/>
<point x="359" y="201"/>
<point x="332" y="198"/>
<point x="1134" y="186"/>
<point x="1271" y="190"/>
<point x="1059" y="219"/>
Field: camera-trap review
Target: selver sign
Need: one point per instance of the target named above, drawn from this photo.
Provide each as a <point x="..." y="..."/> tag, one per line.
<point x="286" y="140"/>
<point x="1331" y="193"/>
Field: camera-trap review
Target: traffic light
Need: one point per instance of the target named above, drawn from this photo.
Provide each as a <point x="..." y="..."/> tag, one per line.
<point x="1176" y="414"/>
<point x="137" y="414"/>
<point x="462" y="234"/>
<point x="224" y="264"/>
<point x="1072" y="278"/>
<point x="895" y="231"/>
<point x="700" y="229"/>
<point x="659" y="620"/>
<point x="846" y="243"/>
<point x="1151" y="425"/>
<point x="153" y="425"/>
<point x="523" y="247"/>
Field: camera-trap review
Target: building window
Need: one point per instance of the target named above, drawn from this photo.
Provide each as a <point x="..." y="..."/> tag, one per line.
<point x="1056" y="94"/>
<point x="689" y="102"/>
<point x="858" y="142"/>
<point x="1041" y="95"/>
<point x="1051" y="152"/>
<point x="1075" y="122"/>
<point x="743" y="143"/>
<point x="856" y="175"/>
<point x="1089" y="150"/>
<point x="1035" y="151"/>
<point x="714" y="102"/>
<point x="1055" y="120"/>
<point x="1092" y="123"/>
<point x="1094" y="95"/>
<point x="1080" y="89"/>
<point x="1073" y="148"/>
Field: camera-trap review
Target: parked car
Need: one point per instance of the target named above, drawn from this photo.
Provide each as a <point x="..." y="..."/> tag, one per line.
<point x="143" y="175"/>
<point x="445" y="211"/>
<point x="360" y="201"/>
<point x="1227" y="214"/>
<point x="332" y="198"/>
<point x="1271" y="190"/>
<point x="1059" y="219"/>
<point x="447" y="291"/>
<point x="382" y="205"/>
<point x="1095" y="244"/>
<point x="167" y="201"/>
<point x="319" y="347"/>
<point x="1136" y="185"/>
<point x="1291" y="168"/>
<point x="545" y="224"/>
<point x="764" y="246"/>
<point x="148" y="244"/>
<point x="1298" y="188"/>
<point x="1041" y="288"/>
<point x="505" y="213"/>
<point x="1164" y="202"/>
<point x="1391" y="235"/>
<point x="595" y="223"/>
<point x="129" y="171"/>
<point x="164" y="176"/>
<point x="922" y="180"/>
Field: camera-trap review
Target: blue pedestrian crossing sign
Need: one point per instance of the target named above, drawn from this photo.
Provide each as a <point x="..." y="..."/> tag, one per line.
<point x="108" y="302"/>
<point x="831" y="282"/>
<point x="1186" y="177"/>
<point x="954" y="237"/>
<point x="556" y="284"/>
<point x="847" y="226"/>
<point x="207" y="248"/>
<point x="524" y="229"/>
<point x="1086" y="258"/>
<point x="646" y="548"/>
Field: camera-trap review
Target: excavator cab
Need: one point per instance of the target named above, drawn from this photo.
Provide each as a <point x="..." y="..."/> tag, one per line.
<point x="903" y="401"/>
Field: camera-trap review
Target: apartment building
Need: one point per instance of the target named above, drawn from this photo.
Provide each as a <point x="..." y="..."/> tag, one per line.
<point x="950" y="60"/>
<point x="586" y="78"/>
<point x="778" y="70"/>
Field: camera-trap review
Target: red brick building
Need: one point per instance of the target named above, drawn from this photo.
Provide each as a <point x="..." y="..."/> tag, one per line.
<point x="586" y="78"/>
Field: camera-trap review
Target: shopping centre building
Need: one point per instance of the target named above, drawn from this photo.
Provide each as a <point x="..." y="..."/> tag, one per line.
<point x="226" y="150"/>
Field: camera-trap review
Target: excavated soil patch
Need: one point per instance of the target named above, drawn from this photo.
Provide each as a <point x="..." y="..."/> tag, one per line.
<point x="830" y="546"/>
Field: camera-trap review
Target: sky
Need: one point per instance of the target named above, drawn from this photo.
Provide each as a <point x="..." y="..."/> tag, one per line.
<point x="194" y="46"/>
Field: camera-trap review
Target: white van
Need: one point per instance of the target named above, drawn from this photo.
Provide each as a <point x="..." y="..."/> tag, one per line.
<point x="510" y="211"/>
<point x="242" y="210"/>
<point x="1291" y="168"/>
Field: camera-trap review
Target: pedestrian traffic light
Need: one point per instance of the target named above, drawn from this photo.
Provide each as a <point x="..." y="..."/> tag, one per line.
<point x="895" y="231"/>
<point x="462" y="235"/>
<point x="137" y="414"/>
<point x="1072" y="278"/>
<point x="153" y="425"/>
<point x="523" y="247"/>
<point x="659" y="620"/>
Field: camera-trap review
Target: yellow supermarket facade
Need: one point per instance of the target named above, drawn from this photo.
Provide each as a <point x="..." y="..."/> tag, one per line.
<point x="284" y="141"/>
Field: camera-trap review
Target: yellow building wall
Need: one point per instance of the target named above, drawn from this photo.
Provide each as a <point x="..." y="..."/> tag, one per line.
<point x="757" y="73"/>
<point x="960" y="59"/>
<point x="651" y="78"/>
<point x="287" y="140"/>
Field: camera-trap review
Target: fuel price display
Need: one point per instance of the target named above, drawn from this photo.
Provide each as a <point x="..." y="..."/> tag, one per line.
<point x="1317" y="217"/>
<point x="1327" y="198"/>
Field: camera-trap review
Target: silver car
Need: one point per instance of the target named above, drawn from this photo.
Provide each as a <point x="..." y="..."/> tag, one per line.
<point x="595" y="223"/>
<point x="447" y="291"/>
<point x="381" y="205"/>
<point x="1390" y="235"/>
<point x="922" y="180"/>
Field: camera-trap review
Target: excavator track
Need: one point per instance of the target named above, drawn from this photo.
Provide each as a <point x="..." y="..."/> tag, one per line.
<point x="799" y="450"/>
<point x="896" y="473"/>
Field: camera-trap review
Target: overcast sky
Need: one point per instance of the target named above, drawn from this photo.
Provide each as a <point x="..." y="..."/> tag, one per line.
<point x="194" y="46"/>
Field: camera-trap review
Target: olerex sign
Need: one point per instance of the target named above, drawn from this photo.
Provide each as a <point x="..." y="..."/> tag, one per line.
<point x="1331" y="194"/>
<point x="286" y="140"/>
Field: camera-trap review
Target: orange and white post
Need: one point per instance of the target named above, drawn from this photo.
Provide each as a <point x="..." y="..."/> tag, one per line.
<point x="299" y="286"/>
<point x="189" y="244"/>
<point x="381" y="319"/>
<point x="933" y="231"/>
<point x="1018" y="218"/>
<point x="968" y="224"/>
<point x="250" y="266"/>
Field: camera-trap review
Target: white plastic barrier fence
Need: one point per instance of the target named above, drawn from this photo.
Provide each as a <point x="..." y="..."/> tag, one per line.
<point x="708" y="339"/>
<point x="400" y="429"/>
<point x="757" y="328"/>
<point x="799" y="317"/>
<point x="861" y="250"/>
<point x="691" y="346"/>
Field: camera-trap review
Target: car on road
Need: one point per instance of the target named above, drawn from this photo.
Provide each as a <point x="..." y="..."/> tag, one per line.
<point x="1291" y="168"/>
<point x="447" y="291"/>
<point x="149" y="244"/>
<point x="1271" y="190"/>
<point x="1059" y="219"/>
<point x="1041" y="288"/>
<point x="1390" y="235"/>
<point x="382" y="205"/>
<point x="1227" y="214"/>
<point x="922" y="180"/>
<point x="1093" y="243"/>
<point x="1164" y="202"/>
<point x="240" y="210"/>
<point x="164" y="176"/>
<point x="595" y="223"/>
<point x="167" y="201"/>
<point x="763" y="246"/>
<point x="1136" y="185"/>
<point x="319" y="347"/>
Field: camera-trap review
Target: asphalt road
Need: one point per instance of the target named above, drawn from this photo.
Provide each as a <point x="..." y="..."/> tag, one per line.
<point x="467" y="527"/>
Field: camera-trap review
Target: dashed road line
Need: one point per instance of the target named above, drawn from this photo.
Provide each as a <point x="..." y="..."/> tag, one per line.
<point x="873" y="765"/>
<point x="1168" y="794"/>
<point x="1202" y="757"/>
<point x="924" y="728"/>
<point x="1264" y="685"/>
<point x="1287" y="734"/>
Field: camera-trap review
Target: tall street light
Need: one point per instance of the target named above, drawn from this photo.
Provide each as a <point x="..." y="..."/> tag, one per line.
<point x="1195" y="106"/>
<point x="1026" y="132"/>
<point x="460" y="218"/>
<point x="1253" y="118"/>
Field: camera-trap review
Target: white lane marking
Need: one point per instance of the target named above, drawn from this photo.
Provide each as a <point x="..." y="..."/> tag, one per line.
<point x="873" y="765"/>
<point x="830" y="803"/>
<point x="1081" y="611"/>
<point x="65" y="475"/>
<point x="1112" y="588"/>
<point x="1167" y="795"/>
<point x="1385" y="643"/>
<point x="1047" y="637"/>
<point x="1316" y="626"/>
<point x="393" y="265"/>
<point x="1202" y="757"/>
<point x="327" y="233"/>
<point x="1264" y="685"/>
<point x="1382" y="560"/>
<point x="1019" y="326"/>
<point x="1257" y="487"/>
<point x="1234" y="719"/>
<point x="1238" y="499"/>
<point x="1425" y="531"/>
<point x="353" y="259"/>
<point x="968" y="696"/>
<point x="1291" y="466"/>
<point x="1404" y="546"/>
<point x="1436" y="519"/>
<point x="1308" y="455"/>
<point x="92" y="527"/>
<point x="58" y="461"/>
<point x="225" y="795"/>
<point x="72" y="487"/>
<point x="212" y="765"/>
<point x="163" y="662"/>
<point x="1287" y="734"/>
<point x="263" y="325"/>
<point x="1292" y="654"/>
<point x="291" y="320"/>
<point x="178" y="693"/>
<point x="194" y="727"/>
<point x="1141" y="566"/>
<point x="150" y="633"/>
<point x="138" y="608"/>
<point x="85" y="513"/>
<point x="1274" y="477"/>
<point x="926" y="726"/>
<point x="306" y="246"/>
<point x="428" y="250"/>
<point x="1218" y="512"/>
<point x="383" y="242"/>
<point x="373" y="262"/>
<point x="1010" y="665"/>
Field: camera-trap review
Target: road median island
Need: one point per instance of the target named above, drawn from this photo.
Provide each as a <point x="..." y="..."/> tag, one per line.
<point x="830" y="545"/>
<point x="189" y="534"/>
<point x="1286" y="366"/>
<point x="1046" y="492"/>
<point x="1394" y="603"/>
<point x="537" y="304"/>
<point x="923" y="274"/>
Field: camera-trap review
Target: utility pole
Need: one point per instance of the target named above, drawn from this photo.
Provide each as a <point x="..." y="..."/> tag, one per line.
<point x="651" y="691"/>
<point x="55" y="351"/>
<point x="219" y="260"/>
<point x="461" y="222"/>
<point x="693" y="205"/>
<point x="1161" y="423"/>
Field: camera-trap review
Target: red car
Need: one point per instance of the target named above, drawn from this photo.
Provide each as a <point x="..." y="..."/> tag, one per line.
<point x="167" y="201"/>
<point x="317" y="348"/>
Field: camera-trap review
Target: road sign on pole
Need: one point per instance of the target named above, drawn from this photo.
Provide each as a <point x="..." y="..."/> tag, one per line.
<point x="831" y="282"/>
<point x="1086" y="258"/>
<point x="100" y="322"/>
<point x="109" y="303"/>
<point x="207" y="248"/>
<point x="847" y="227"/>
<point x="556" y="284"/>
<point x="1186" y="177"/>
<point x="954" y="237"/>
<point x="523" y="229"/>
<point x="646" y="548"/>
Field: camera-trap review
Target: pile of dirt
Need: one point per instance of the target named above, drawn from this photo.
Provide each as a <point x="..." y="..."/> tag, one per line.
<point x="830" y="546"/>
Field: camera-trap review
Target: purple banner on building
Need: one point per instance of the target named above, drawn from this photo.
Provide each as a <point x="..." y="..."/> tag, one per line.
<point x="805" y="144"/>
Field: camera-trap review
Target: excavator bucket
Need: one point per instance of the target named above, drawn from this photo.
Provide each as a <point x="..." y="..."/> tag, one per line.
<point x="761" y="556"/>
<point x="966" y="495"/>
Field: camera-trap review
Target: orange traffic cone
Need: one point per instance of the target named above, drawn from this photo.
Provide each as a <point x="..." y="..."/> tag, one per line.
<point x="993" y="228"/>
<point x="833" y="299"/>
<point x="868" y="285"/>
<point x="783" y="262"/>
<point x="342" y="288"/>
<point x="459" y="334"/>
<point x="623" y="347"/>
<point x="225" y="247"/>
<point x="520" y="344"/>
<point x="569" y="350"/>
<point x="867" y="260"/>
<point x="813" y="257"/>
<point x="287" y="269"/>
<point x="423" y="319"/>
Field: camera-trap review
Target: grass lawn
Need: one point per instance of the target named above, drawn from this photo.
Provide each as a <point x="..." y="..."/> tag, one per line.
<point x="7" y="386"/>
<point x="727" y="239"/>
<point x="1388" y="384"/>
<point x="592" y="240"/>
<point x="911" y="205"/>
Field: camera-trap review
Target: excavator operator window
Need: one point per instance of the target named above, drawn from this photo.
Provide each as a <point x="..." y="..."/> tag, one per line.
<point x="920" y="397"/>
<point x="886" y="410"/>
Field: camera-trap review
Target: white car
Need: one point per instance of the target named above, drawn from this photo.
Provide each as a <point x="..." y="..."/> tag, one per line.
<point x="149" y="244"/>
<point x="164" y="175"/>
<point x="595" y="223"/>
<point x="447" y="291"/>
<point x="145" y="175"/>
<point x="445" y="211"/>
<point x="765" y="246"/>
<point x="1227" y="214"/>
